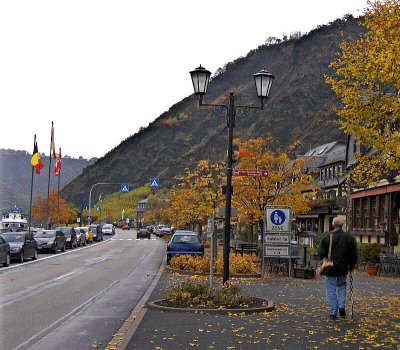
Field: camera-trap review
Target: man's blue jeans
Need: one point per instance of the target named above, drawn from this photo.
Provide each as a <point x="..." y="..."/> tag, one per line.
<point x="336" y="293"/>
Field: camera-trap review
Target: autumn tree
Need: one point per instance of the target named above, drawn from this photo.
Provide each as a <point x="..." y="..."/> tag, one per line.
<point x="284" y="184"/>
<point x="197" y="195"/>
<point x="55" y="210"/>
<point x="367" y="81"/>
<point x="155" y="210"/>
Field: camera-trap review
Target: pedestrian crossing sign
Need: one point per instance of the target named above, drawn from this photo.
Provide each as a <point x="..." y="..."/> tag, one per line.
<point x="124" y="188"/>
<point x="154" y="183"/>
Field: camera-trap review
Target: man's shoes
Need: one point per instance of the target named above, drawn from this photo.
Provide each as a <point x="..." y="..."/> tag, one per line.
<point x="342" y="313"/>
<point x="332" y="317"/>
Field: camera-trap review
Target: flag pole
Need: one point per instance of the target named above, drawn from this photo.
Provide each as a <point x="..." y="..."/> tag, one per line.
<point x="58" y="189"/>
<point x="48" y="181"/>
<point x="30" y="201"/>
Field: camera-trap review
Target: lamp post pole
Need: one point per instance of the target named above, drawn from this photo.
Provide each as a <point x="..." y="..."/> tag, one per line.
<point x="228" y="204"/>
<point x="263" y="81"/>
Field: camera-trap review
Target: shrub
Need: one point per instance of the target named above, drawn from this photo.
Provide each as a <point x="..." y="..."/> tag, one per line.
<point x="370" y="252"/>
<point x="237" y="264"/>
<point x="189" y="294"/>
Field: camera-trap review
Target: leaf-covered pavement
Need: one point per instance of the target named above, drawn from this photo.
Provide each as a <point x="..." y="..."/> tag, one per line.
<point x="300" y="320"/>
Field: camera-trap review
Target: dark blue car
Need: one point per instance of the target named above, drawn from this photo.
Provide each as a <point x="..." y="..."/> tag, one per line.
<point x="184" y="243"/>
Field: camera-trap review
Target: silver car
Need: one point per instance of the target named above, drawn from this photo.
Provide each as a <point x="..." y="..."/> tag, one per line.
<point x="108" y="229"/>
<point x="80" y="236"/>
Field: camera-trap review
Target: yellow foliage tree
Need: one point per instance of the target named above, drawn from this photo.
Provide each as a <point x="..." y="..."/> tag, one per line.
<point x="367" y="81"/>
<point x="283" y="186"/>
<point x="57" y="212"/>
<point x="197" y="196"/>
<point x="155" y="210"/>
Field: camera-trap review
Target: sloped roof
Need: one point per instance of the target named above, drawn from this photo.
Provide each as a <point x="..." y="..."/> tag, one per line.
<point x="329" y="153"/>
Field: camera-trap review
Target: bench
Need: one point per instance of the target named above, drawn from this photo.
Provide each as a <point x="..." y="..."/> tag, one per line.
<point x="246" y="248"/>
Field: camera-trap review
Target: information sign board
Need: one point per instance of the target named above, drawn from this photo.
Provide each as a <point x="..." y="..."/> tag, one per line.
<point x="278" y="219"/>
<point x="277" y="239"/>
<point x="276" y="251"/>
<point x="250" y="172"/>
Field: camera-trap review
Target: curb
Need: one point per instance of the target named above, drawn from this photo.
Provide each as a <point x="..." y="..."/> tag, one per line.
<point x="183" y="272"/>
<point x="122" y="338"/>
<point x="268" y="308"/>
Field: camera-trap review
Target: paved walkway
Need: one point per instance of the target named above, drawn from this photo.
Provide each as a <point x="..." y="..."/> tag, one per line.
<point x="300" y="320"/>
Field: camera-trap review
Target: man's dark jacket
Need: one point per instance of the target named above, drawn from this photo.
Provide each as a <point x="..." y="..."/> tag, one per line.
<point x="344" y="252"/>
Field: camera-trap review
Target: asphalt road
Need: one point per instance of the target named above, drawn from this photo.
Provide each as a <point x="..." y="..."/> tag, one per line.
<point x="78" y="299"/>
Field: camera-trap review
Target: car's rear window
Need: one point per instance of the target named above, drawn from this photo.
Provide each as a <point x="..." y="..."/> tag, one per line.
<point x="185" y="239"/>
<point x="65" y="230"/>
<point x="46" y="234"/>
<point x="13" y="238"/>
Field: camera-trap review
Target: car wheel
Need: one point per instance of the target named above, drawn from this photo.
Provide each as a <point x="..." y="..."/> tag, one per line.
<point x="21" y="256"/>
<point x="8" y="260"/>
<point x="63" y="248"/>
<point x="35" y="255"/>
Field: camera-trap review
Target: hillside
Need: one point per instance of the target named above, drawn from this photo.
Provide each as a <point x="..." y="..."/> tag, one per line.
<point x="301" y="107"/>
<point x="16" y="173"/>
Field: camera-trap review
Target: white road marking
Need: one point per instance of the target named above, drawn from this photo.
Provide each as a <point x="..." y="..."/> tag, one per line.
<point x="62" y="276"/>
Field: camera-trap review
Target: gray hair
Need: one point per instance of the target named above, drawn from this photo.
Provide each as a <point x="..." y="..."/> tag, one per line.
<point x="338" y="222"/>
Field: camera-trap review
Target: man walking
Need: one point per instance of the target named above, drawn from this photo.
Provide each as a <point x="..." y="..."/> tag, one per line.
<point x="344" y="256"/>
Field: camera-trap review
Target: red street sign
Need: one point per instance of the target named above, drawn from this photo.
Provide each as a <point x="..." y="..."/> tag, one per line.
<point x="250" y="172"/>
<point x="239" y="153"/>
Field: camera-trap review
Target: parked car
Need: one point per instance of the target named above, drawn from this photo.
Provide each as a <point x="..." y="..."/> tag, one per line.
<point x="163" y="230"/>
<point x="5" y="252"/>
<point x="80" y="236"/>
<point x="143" y="233"/>
<point x="51" y="240"/>
<point x="108" y="229"/>
<point x="184" y="243"/>
<point x="126" y="227"/>
<point x="88" y="234"/>
<point x="97" y="232"/>
<point x="22" y="245"/>
<point x="70" y="236"/>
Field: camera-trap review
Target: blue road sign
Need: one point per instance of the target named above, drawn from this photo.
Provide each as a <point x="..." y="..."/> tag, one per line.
<point x="278" y="217"/>
<point x="154" y="183"/>
<point x="89" y="218"/>
<point x="124" y="188"/>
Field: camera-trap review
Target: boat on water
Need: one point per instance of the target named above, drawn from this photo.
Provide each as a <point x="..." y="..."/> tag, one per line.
<point x="14" y="219"/>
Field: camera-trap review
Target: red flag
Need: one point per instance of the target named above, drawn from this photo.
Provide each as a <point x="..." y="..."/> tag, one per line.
<point x="57" y="165"/>
<point x="35" y="160"/>
<point x="53" y="147"/>
<point x="56" y="157"/>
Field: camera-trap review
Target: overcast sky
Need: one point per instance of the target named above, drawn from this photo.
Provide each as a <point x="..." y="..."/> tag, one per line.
<point x="102" y="69"/>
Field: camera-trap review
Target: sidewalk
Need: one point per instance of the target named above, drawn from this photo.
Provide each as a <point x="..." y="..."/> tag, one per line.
<point x="299" y="321"/>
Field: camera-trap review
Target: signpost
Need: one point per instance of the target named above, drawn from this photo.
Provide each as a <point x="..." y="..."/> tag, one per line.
<point x="124" y="188"/>
<point x="277" y="239"/>
<point x="250" y="172"/>
<point x="154" y="183"/>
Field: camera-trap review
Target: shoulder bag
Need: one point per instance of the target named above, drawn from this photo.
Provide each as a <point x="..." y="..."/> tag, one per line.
<point x="327" y="263"/>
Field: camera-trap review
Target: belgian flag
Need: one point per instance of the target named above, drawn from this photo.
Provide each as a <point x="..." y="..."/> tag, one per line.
<point x="35" y="160"/>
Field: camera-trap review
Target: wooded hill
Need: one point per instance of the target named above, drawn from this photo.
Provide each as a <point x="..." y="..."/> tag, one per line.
<point x="16" y="174"/>
<point x="300" y="107"/>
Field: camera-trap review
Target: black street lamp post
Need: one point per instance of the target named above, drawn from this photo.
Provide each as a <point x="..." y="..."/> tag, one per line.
<point x="200" y="79"/>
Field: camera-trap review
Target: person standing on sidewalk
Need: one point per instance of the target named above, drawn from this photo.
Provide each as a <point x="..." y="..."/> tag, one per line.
<point x="344" y="256"/>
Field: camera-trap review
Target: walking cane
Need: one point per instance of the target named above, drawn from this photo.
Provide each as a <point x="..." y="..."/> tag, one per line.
<point x="351" y="293"/>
